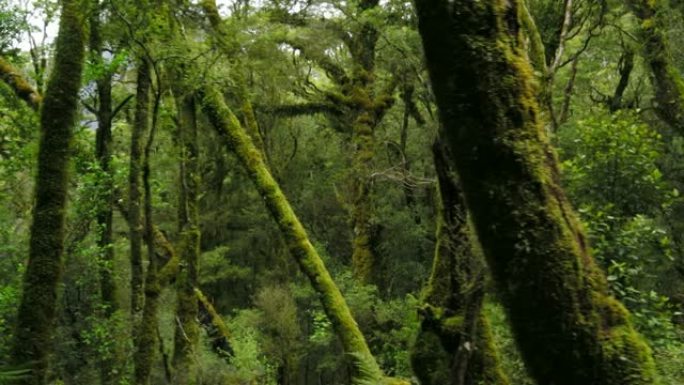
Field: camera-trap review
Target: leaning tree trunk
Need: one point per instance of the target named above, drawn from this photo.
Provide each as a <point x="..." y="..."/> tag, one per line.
<point x="569" y="329"/>
<point x="366" y="369"/>
<point x="454" y="345"/>
<point x="32" y="340"/>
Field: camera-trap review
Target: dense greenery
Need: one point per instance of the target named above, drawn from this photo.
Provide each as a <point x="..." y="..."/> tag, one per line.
<point x="326" y="192"/>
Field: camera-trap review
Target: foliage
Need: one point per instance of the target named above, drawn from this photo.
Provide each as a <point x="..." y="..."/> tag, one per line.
<point x="611" y="164"/>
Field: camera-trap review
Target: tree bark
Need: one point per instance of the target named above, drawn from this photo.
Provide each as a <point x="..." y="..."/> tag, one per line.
<point x="569" y="329"/>
<point x="32" y="342"/>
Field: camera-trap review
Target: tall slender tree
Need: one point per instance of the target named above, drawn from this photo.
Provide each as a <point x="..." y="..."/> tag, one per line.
<point x="187" y="310"/>
<point x="135" y="217"/>
<point x="32" y="342"/>
<point x="569" y="329"/>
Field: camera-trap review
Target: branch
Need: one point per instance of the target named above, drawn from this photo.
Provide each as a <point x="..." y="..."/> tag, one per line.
<point x="299" y="109"/>
<point x="120" y="106"/>
<point x="216" y="319"/>
<point x="334" y="71"/>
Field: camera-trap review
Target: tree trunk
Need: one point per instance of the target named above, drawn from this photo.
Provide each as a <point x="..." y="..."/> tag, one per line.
<point x="454" y="345"/>
<point x="334" y="305"/>
<point x="105" y="206"/>
<point x="568" y="328"/>
<point x="366" y="114"/>
<point x="135" y="217"/>
<point x="32" y="342"/>
<point x="147" y="340"/>
<point x="187" y="312"/>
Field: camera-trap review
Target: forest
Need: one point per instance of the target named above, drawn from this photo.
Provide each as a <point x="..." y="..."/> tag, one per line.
<point x="342" y="192"/>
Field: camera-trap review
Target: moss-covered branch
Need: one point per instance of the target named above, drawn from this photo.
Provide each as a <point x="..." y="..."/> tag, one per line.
<point x="235" y="137"/>
<point x="569" y="329"/>
<point x="19" y="85"/>
<point x="216" y="318"/>
<point x="32" y="340"/>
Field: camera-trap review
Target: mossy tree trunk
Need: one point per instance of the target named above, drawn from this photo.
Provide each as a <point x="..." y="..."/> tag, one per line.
<point x="103" y="153"/>
<point x="454" y="345"/>
<point x="569" y="330"/>
<point x="367" y="108"/>
<point x="187" y="311"/>
<point x="236" y="138"/>
<point x="135" y="218"/>
<point x="36" y="314"/>
<point x="666" y="78"/>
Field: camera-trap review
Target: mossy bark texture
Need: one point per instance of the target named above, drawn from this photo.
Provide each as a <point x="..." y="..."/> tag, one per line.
<point x="37" y="309"/>
<point x="454" y="345"/>
<point x="216" y="318"/>
<point x="569" y="330"/>
<point x="187" y="327"/>
<point x="666" y="78"/>
<point x="236" y="138"/>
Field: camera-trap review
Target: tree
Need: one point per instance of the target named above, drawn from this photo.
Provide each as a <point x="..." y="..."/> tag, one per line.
<point x="567" y="326"/>
<point x="187" y="329"/>
<point x="37" y="310"/>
